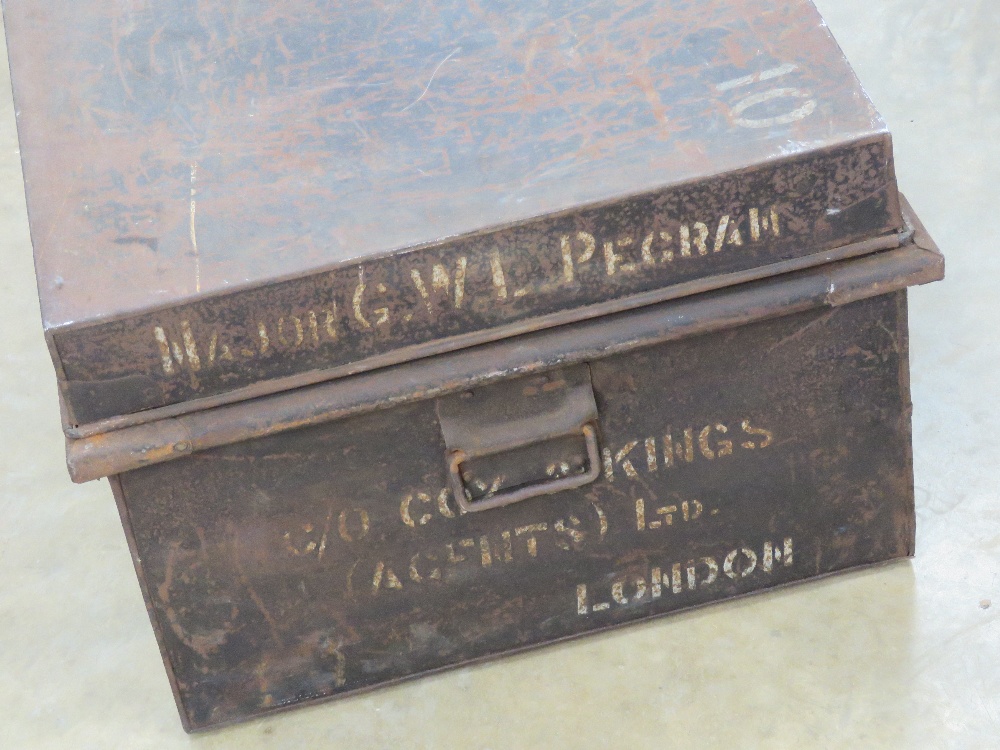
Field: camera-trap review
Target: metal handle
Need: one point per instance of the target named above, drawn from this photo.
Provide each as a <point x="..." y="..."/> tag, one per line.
<point x="463" y="497"/>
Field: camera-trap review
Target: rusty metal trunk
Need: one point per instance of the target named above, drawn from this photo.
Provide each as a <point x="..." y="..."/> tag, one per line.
<point x="504" y="509"/>
<point x="412" y="335"/>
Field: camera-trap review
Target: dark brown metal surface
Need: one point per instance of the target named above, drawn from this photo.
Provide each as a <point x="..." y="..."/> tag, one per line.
<point x="180" y="157"/>
<point x="445" y="346"/>
<point x="479" y="288"/>
<point x="331" y="559"/>
<point x="917" y="262"/>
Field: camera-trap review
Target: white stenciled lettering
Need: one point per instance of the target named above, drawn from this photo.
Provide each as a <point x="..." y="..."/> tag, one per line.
<point x="801" y="102"/>
<point x="499" y="278"/>
<point x="682" y="446"/>
<point x="806" y="107"/>
<point x="677" y="578"/>
<point x="663" y="516"/>
<point x="441" y="285"/>
<point x="526" y="544"/>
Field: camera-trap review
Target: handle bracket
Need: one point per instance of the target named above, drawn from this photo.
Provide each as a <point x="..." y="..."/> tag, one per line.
<point x="521" y="438"/>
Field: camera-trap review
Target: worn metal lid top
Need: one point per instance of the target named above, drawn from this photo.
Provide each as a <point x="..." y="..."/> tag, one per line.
<point x="177" y="149"/>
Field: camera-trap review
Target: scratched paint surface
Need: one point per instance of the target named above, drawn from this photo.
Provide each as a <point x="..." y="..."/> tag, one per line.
<point x="317" y="562"/>
<point x="357" y="317"/>
<point x="173" y="148"/>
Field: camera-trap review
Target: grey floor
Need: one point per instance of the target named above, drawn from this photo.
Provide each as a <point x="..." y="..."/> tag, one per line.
<point x="906" y="656"/>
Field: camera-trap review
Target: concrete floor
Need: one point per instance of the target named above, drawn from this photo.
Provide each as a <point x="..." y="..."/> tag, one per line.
<point x="906" y="656"/>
